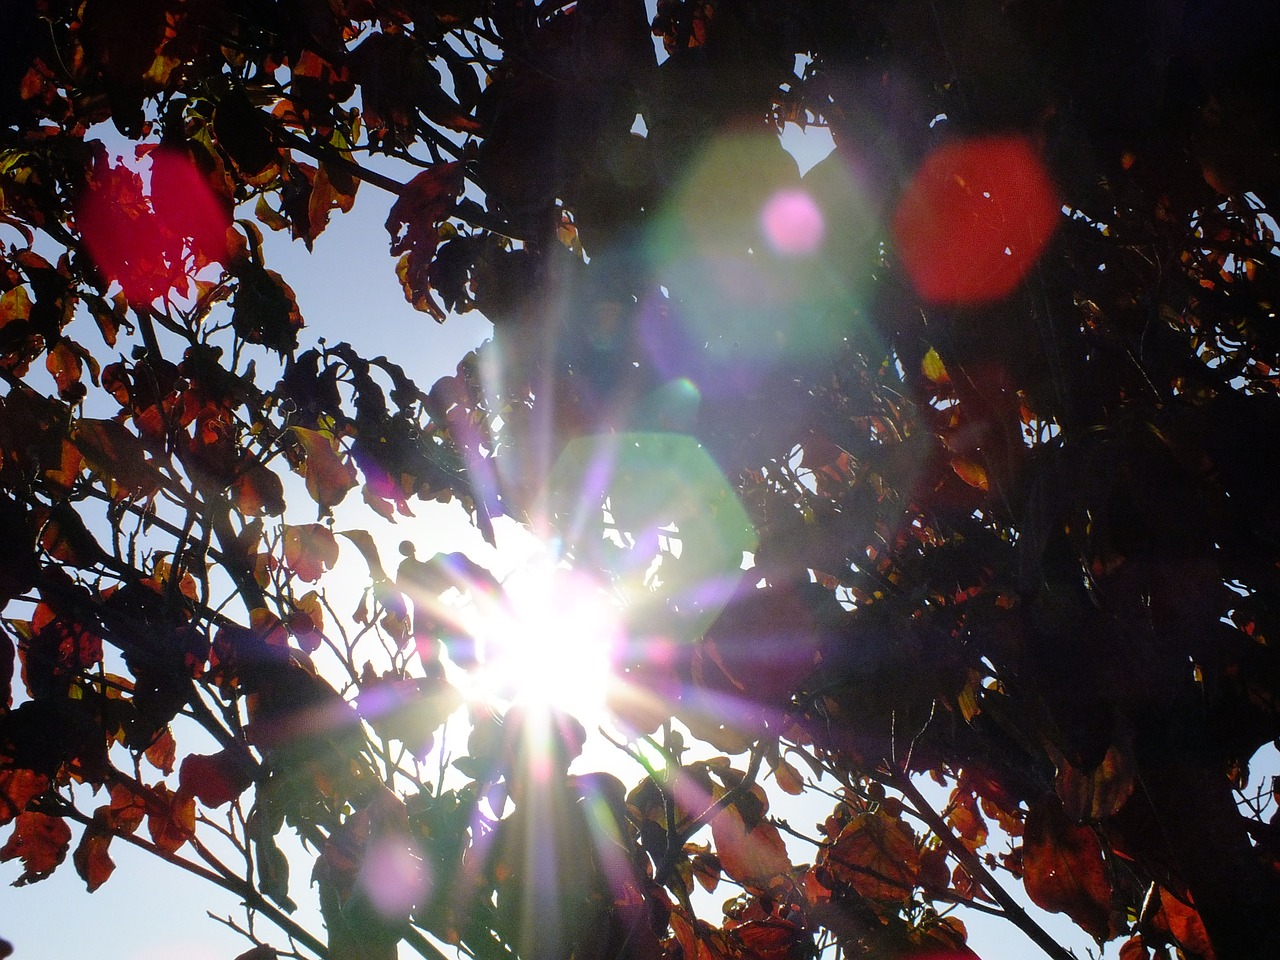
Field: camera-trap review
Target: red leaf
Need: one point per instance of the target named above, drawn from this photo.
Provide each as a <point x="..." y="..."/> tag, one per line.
<point x="19" y="787"/>
<point x="749" y="855"/>
<point x="875" y="854"/>
<point x="214" y="779"/>
<point x="41" y="841"/>
<point x="1064" y="869"/>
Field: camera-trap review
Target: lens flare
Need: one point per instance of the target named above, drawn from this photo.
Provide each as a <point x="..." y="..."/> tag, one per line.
<point x="547" y="643"/>
<point x="792" y="223"/>
<point x="974" y="219"/>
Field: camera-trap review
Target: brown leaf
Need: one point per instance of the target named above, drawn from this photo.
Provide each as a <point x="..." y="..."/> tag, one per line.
<point x="41" y="841"/>
<point x="309" y="550"/>
<point x="257" y="491"/>
<point x="414" y="224"/>
<point x="1064" y="870"/>
<point x="1186" y="925"/>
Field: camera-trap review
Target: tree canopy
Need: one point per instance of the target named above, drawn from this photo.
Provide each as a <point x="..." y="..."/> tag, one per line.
<point x="946" y="459"/>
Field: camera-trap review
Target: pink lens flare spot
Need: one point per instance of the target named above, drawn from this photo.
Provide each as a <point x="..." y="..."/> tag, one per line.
<point x="393" y="877"/>
<point x="792" y="223"/>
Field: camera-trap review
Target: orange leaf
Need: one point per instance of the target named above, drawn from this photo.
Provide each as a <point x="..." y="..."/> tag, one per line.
<point x="91" y="859"/>
<point x="789" y="779"/>
<point x="171" y="817"/>
<point x="971" y="473"/>
<point x="41" y="842"/>
<point x="1185" y="925"/>
<point x="309" y="550"/>
<point x="162" y="752"/>
<point x="328" y="477"/>
<point x="931" y="366"/>
<point x="1064" y="868"/>
<point x="256" y="491"/>
<point x="127" y="809"/>
<point x="112" y="451"/>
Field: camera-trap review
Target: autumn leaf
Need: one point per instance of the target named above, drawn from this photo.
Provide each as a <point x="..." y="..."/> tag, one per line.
<point x="1186" y="925"/>
<point x="875" y="854"/>
<point x="18" y="787"/>
<point x="413" y="223"/>
<point x="750" y="855"/>
<point x="92" y="861"/>
<point x="265" y="310"/>
<point x="934" y="369"/>
<point x="162" y="752"/>
<point x="214" y="779"/>
<point x="40" y="841"/>
<point x="1064" y="869"/>
<point x="257" y="491"/>
<point x="328" y="476"/>
<point x="309" y="550"/>
<point x="971" y="473"/>
<point x="113" y="452"/>
<point x="171" y="817"/>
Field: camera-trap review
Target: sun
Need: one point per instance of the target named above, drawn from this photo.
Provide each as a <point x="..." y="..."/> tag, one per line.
<point x="548" y="641"/>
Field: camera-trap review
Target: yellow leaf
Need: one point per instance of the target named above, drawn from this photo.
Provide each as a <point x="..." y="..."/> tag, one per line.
<point x="933" y="368"/>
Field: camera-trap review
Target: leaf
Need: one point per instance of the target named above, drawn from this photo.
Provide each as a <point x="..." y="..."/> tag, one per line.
<point x="875" y="854"/>
<point x="214" y="779"/>
<point x="971" y="473"/>
<point x="1186" y="925"/>
<point x="18" y="787"/>
<point x="171" y="817"/>
<point x="257" y="491"/>
<point x="306" y="623"/>
<point x="309" y="550"/>
<point x="265" y="310"/>
<point x="369" y="550"/>
<point x="1064" y="869"/>
<point x="413" y="223"/>
<point x="40" y="841"/>
<point x="92" y="861"/>
<point x="751" y="855"/>
<point x="113" y="452"/>
<point x="932" y="367"/>
<point x="789" y="779"/>
<point x="127" y="809"/>
<point x="162" y="752"/>
<point x="328" y="477"/>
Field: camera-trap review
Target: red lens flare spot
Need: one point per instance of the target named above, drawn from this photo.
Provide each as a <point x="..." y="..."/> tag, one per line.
<point x="974" y="218"/>
<point x="152" y="244"/>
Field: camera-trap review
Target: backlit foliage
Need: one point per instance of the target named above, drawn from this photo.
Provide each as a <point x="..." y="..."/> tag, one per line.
<point x="949" y="458"/>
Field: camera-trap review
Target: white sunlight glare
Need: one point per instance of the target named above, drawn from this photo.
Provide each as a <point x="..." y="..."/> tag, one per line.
<point x="548" y="642"/>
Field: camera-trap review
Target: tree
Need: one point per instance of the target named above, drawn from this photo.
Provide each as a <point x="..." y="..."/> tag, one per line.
<point x="988" y="398"/>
